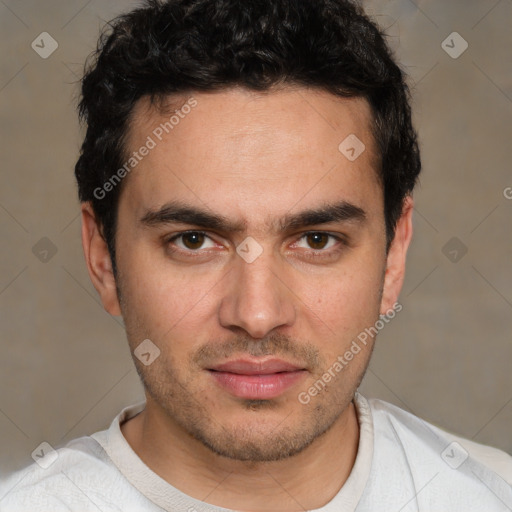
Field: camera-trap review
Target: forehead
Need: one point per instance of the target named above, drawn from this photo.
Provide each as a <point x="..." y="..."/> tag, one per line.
<point x="253" y="153"/>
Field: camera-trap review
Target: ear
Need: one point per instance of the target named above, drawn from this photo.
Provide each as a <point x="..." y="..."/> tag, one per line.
<point x="395" y="264"/>
<point x="98" y="260"/>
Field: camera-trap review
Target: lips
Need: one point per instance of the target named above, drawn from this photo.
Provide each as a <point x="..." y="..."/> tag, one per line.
<point x="247" y="367"/>
<point x="257" y="379"/>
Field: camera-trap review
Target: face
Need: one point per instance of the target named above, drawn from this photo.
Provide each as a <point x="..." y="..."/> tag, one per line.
<point x="252" y="252"/>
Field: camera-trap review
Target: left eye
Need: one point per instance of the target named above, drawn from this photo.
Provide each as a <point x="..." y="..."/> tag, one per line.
<point x="318" y="241"/>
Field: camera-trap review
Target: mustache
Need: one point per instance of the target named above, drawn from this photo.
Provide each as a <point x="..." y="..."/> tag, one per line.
<point x="278" y="345"/>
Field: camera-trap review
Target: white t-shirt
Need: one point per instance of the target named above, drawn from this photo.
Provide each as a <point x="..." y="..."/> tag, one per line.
<point x="403" y="464"/>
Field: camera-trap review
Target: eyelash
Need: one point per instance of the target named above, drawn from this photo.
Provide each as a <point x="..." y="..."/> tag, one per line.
<point x="313" y="253"/>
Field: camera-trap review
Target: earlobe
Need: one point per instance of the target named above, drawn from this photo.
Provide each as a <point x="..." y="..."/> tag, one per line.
<point x="395" y="263"/>
<point x="98" y="260"/>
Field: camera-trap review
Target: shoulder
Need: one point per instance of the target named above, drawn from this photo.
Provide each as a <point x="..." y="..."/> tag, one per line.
<point x="418" y="466"/>
<point x="59" y="479"/>
<point x="80" y="476"/>
<point x="421" y="436"/>
<point x="429" y="468"/>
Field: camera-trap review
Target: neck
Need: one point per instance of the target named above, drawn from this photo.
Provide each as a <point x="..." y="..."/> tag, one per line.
<point x="305" y="481"/>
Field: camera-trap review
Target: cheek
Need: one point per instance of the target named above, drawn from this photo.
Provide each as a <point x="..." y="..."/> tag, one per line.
<point x="162" y="299"/>
<point x="348" y="301"/>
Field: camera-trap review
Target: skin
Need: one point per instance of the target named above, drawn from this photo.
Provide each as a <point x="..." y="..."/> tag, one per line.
<point x="253" y="158"/>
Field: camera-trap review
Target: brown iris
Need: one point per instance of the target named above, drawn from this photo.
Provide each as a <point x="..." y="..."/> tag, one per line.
<point x="193" y="240"/>
<point x="317" y="240"/>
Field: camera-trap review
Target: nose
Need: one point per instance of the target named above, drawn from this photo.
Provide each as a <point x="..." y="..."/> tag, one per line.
<point x="256" y="299"/>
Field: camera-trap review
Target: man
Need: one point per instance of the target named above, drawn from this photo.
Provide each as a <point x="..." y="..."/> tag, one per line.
<point x="246" y="184"/>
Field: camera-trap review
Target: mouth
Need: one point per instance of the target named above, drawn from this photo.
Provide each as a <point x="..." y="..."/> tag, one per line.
<point x="257" y="379"/>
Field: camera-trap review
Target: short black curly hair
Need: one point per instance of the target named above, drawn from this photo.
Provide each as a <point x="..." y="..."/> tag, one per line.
<point x="179" y="46"/>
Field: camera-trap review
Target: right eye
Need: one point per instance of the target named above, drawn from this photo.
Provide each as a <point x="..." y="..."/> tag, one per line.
<point x="191" y="241"/>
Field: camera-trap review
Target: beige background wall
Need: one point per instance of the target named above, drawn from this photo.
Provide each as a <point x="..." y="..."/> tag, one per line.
<point x="65" y="370"/>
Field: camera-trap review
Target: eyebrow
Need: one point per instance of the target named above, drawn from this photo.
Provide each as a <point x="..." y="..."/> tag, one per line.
<point x="177" y="212"/>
